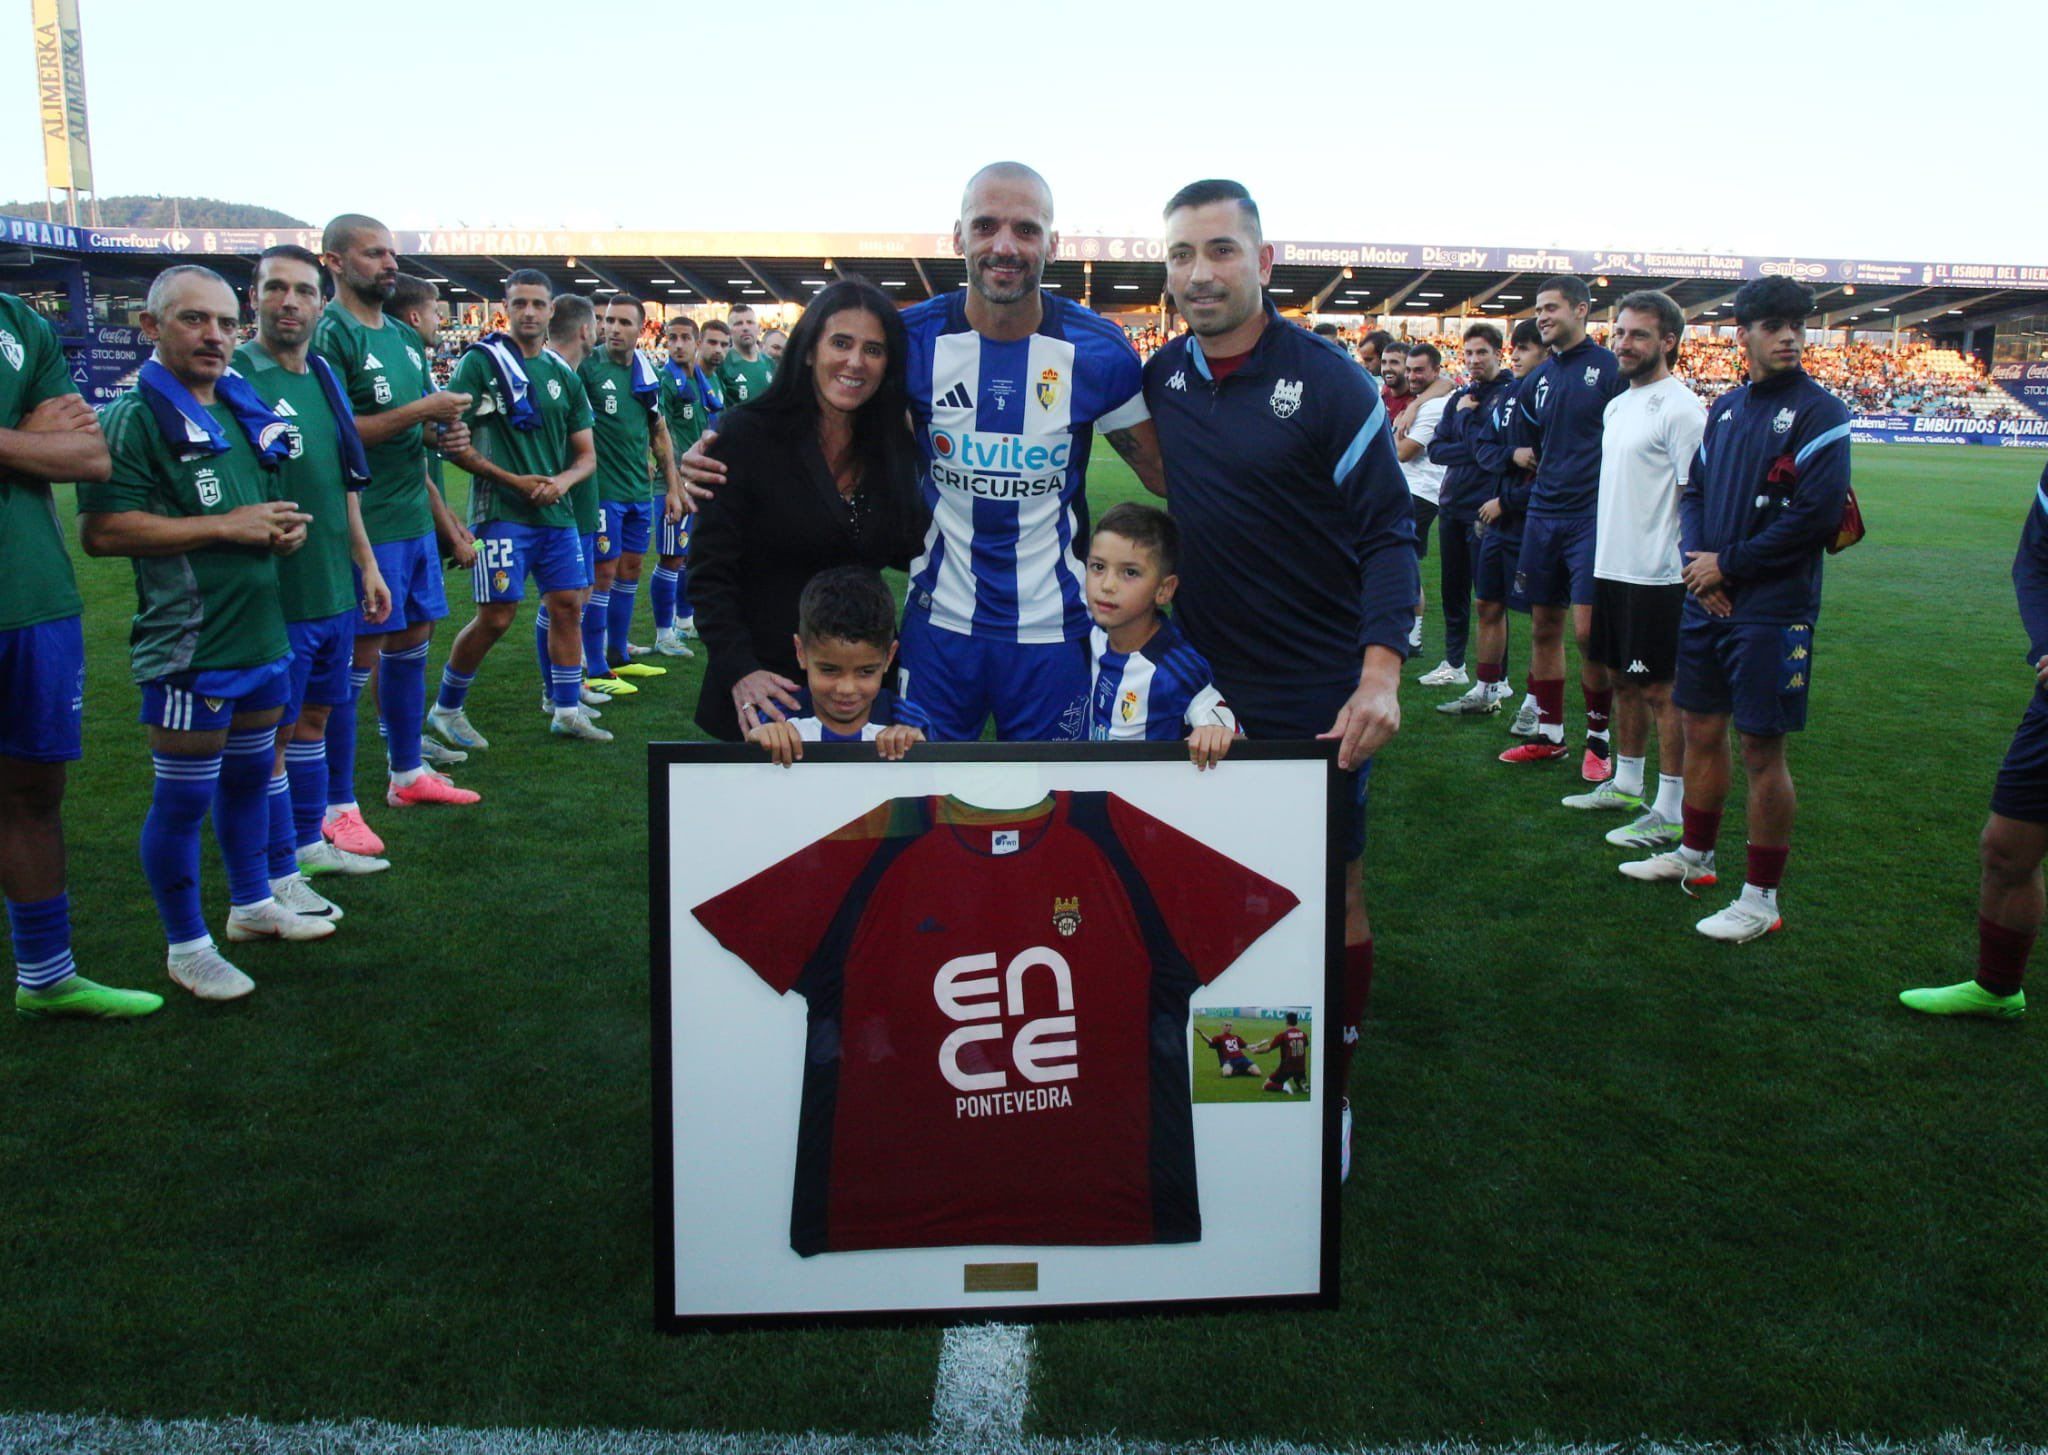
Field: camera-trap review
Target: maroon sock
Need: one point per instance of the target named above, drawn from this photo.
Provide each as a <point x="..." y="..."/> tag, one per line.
<point x="1549" y="700"/>
<point x="2001" y="956"/>
<point x="1357" y="990"/>
<point x="1702" y="827"/>
<point x="1491" y="671"/>
<point x="1767" y="864"/>
<point x="1598" y="705"/>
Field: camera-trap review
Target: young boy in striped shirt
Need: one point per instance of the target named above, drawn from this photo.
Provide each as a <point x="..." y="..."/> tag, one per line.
<point x="1148" y="684"/>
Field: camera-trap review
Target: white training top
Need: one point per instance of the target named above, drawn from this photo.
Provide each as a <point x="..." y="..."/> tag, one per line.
<point x="1424" y="479"/>
<point x="1647" y="447"/>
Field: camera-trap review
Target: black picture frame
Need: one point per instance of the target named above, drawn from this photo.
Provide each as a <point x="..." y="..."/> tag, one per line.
<point x="663" y="757"/>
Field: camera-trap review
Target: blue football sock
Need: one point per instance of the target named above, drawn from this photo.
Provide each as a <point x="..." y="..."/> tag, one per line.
<point x="241" y="813"/>
<point x="305" y="764"/>
<point x="566" y="689"/>
<point x="280" y="860"/>
<point x="663" y="595"/>
<point x="597" y="613"/>
<point x="540" y="648"/>
<point x="170" y="841"/>
<point x="683" y="612"/>
<point x="620" y="620"/>
<point x="42" y="941"/>
<point x="454" y="688"/>
<point x="341" y="740"/>
<point x="403" y="691"/>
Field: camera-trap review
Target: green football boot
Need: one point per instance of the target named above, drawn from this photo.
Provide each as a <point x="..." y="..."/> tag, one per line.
<point x="78" y="998"/>
<point x="1965" y="997"/>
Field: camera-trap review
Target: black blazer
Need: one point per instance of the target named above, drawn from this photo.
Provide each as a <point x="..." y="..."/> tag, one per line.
<point x="776" y="522"/>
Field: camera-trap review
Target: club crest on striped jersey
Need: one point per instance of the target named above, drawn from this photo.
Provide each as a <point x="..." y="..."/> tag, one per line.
<point x="1048" y="388"/>
<point x="1286" y="397"/>
<point x="1128" y="707"/>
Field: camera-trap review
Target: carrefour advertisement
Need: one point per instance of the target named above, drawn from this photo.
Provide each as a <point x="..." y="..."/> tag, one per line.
<point x="1915" y="429"/>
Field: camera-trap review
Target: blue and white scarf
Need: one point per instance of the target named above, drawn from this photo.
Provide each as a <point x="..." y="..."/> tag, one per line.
<point x="646" y="386"/>
<point x="189" y="427"/>
<point x="354" y="462"/>
<point x="510" y="365"/>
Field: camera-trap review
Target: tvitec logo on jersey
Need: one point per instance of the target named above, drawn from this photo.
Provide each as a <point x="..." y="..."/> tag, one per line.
<point x="998" y="466"/>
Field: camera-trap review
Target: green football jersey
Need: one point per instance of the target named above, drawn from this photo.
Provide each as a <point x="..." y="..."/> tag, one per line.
<point x="384" y="368"/>
<point x="744" y="380"/>
<point x="684" y="414"/>
<point x="317" y="580"/>
<point x="564" y="409"/>
<point x="625" y="435"/>
<point x="218" y="606"/>
<point x="37" y="584"/>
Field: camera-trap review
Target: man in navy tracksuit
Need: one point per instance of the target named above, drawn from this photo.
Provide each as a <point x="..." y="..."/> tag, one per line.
<point x="2010" y="893"/>
<point x="1763" y="503"/>
<point x="1297" y="571"/>
<point x="1497" y="533"/>
<point x="1558" y="429"/>
<point x="1466" y="486"/>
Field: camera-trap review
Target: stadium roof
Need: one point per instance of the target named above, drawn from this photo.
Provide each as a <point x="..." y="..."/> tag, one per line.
<point x="688" y="268"/>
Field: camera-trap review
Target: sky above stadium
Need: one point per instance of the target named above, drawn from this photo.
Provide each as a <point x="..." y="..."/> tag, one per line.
<point x="1783" y="127"/>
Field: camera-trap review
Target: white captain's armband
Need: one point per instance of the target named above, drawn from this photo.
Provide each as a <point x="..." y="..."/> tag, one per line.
<point x="1208" y="709"/>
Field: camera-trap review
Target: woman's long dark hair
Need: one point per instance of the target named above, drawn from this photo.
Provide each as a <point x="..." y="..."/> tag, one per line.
<point x="883" y="449"/>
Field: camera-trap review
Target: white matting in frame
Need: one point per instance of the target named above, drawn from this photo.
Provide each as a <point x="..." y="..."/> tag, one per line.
<point x="729" y="1052"/>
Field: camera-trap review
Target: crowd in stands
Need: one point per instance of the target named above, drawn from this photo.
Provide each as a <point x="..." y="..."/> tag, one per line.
<point x="1870" y="378"/>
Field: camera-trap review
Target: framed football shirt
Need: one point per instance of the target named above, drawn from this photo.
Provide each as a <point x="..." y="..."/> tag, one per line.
<point x="917" y="1061"/>
<point x="994" y="995"/>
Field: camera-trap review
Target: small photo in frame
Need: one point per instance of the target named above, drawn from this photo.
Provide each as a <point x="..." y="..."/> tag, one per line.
<point x="1253" y="1053"/>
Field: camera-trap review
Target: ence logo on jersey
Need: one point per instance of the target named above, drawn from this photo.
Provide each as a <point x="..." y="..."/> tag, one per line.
<point x="966" y="989"/>
<point x="998" y="466"/>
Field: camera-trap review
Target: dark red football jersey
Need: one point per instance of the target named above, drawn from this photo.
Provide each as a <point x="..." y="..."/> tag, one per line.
<point x="1292" y="1044"/>
<point x="998" y="1010"/>
<point x="1227" y="1046"/>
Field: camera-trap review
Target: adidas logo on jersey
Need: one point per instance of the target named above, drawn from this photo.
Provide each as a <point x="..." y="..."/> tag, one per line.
<point x="284" y="407"/>
<point x="956" y="398"/>
<point x="371" y="361"/>
<point x="609" y="387"/>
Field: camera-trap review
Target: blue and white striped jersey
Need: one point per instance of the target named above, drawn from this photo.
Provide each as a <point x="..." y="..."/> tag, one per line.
<point x="889" y="710"/>
<point x="1004" y="429"/>
<point x="1153" y="695"/>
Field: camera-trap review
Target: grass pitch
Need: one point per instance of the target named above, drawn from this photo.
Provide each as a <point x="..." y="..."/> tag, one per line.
<point x="1612" y="1180"/>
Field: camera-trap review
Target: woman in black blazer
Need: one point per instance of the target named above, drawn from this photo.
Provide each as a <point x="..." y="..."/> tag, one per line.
<point x="821" y="471"/>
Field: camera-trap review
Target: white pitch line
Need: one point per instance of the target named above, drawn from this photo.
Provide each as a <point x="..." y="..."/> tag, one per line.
<point x="45" y="1434"/>
<point x="983" y="1387"/>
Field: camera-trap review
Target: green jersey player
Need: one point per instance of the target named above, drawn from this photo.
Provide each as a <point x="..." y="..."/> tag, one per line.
<point x="530" y="446"/>
<point x="47" y="433"/>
